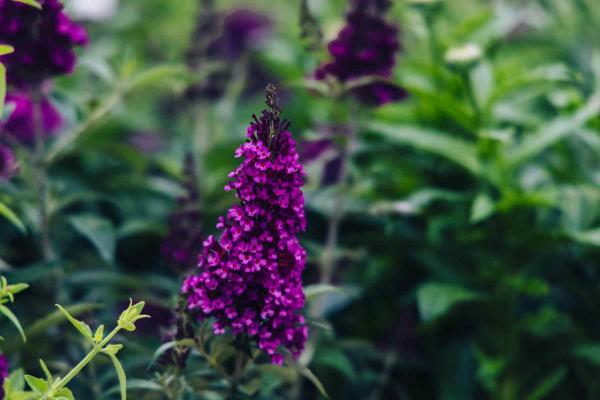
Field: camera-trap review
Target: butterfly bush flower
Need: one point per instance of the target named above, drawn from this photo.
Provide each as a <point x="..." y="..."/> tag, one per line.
<point x="8" y="162"/>
<point x="44" y="41"/>
<point x="21" y="123"/>
<point x="250" y="278"/>
<point x="3" y="373"/>
<point x="365" y="47"/>
<point x="185" y="237"/>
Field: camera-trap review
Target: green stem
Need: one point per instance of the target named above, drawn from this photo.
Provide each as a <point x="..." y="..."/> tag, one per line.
<point x="85" y="361"/>
<point x="41" y="178"/>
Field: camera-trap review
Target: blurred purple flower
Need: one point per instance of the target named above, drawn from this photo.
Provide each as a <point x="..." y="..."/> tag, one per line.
<point x="20" y="123"/>
<point x="182" y="245"/>
<point x="250" y="280"/>
<point x="326" y="146"/>
<point x="234" y="34"/>
<point x="44" y="41"/>
<point x="8" y="162"/>
<point x="365" y="47"/>
<point x="147" y="142"/>
<point x="242" y="30"/>
<point x="3" y="373"/>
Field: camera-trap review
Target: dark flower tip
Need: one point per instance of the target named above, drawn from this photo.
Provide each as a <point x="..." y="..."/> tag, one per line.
<point x="268" y="127"/>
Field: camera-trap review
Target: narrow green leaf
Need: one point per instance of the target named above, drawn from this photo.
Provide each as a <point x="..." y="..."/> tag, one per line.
<point x="307" y="373"/>
<point x="121" y="375"/>
<point x="4" y="210"/>
<point x="81" y="326"/>
<point x="590" y="237"/>
<point x="38" y="385"/>
<point x="6" y="49"/>
<point x="2" y="88"/>
<point x="9" y="314"/>
<point x="32" y="3"/>
<point x="482" y="208"/>
<point x="456" y="150"/>
<point x="49" y="377"/>
<point x="548" y="384"/>
<point x="435" y="299"/>
<point x="64" y="394"/>
<point x="553" y="132"/>
<point x="99" y="335"/>
<point x="99" y="231"/>
<point x="589" y="352"/>
<point x="166" y="346"/>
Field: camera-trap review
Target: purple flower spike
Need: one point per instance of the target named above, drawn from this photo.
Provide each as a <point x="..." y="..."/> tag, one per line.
<point x="8" y="163"/>
<point x="44" y="41"/>
<point x="365" y="47"/>
<point x="3" y="373"/>
<point x="20" y="123"/>
<point x="250" y="280"/>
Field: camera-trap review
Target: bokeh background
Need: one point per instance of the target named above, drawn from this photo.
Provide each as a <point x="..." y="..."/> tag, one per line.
<point x="467" y="215"/>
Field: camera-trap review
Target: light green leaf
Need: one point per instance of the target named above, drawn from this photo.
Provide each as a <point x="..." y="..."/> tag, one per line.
<point x="315" y="290"/>
<point x="144" y="384"/>
<point x="121" y="375"/>
<point x="6" y="49"/>
<point x="9" y="314"/>
<point x="2" y="88"/>
<point x="38" y="385"/>
<point x="32" y="3"/>
<point x="483" y="207"/>
<point x="443" y="144"/>
<point x="548" y="384"/>
<point x="49" y="377"/>
<point x="434" y="299"/>
<point x="99" y="335"/>
<point x="591" y="237"/>
<point x="64" y="394"/>
<point x="4" y="210"/>
<point x="99" y="231"/>
<point x="553" y="132"/>
<point x="81" y="326"/>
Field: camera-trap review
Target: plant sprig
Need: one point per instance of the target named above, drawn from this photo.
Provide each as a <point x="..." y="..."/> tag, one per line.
<point x="55" y="388"/>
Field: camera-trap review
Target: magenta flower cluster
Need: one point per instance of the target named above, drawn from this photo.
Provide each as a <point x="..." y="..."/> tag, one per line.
<point x="3" y="373"/>
<point x="44" y="41"/>
<point x="250" y="279"/>
<point x="365" y="47"/>
<point x="21" y="122"/>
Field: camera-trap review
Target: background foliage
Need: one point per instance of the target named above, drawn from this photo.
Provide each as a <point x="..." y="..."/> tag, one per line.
<point x="466" y="261"/>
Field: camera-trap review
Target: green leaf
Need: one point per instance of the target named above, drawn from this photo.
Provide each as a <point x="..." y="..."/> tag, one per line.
<point x="9" y="314"/>
<point x="315" y="290"/>
<point x="591" y="237"/>
<point x="307" y="373"/>
<point x="56" y="317"/>
<point x="554" y="131"/>
<point x="589" y="352"/>
<point x="121" y="375"/>
<point x="548" y="384"/>
<point x="4" y="210"/>
<point x="81" y="326"/>
<point x="435" y="299"/>
<point x="6" y="49"/>
<point x="2" y="88"/>
<point x="169" y="345"/>
<point x="49" y="377"/>
<point x="64" y="394"/>
<point x="99" y="335"/>
<point x="443" y="144"/>
<point x="99" y="231"/>
<point x="157" y="75"/>
<point x="32" y="3"/>
<point x="38" y="385"/>
<point x="483" y="207"/>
